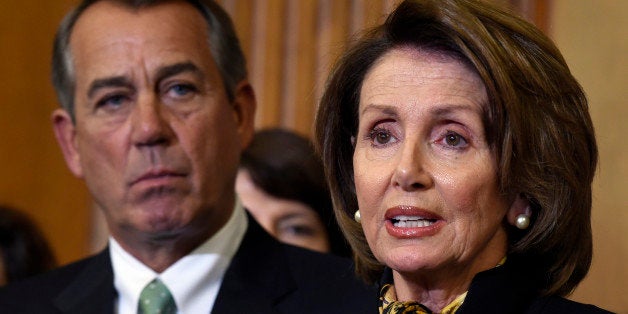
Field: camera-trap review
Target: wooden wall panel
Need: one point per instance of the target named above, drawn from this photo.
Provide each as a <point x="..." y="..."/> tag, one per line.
<point x="290" y="46"/>
<point x="333" y="31"/>
<point x="300" y="58"/>
<point x="33" y="176"/>
<point x="535" y="11"/>
<point x="266" y="62"/>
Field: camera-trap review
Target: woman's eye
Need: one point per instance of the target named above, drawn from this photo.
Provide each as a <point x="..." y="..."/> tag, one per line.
<point x="455" y="140"/>
<point x="300" y="230"/>
<point x="381" y="137"/>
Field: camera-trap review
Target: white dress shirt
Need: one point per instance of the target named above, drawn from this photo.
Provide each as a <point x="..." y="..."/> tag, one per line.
<point x="194" y="280"/>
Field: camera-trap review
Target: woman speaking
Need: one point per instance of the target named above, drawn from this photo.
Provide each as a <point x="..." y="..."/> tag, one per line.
<point x="460" y="154"/>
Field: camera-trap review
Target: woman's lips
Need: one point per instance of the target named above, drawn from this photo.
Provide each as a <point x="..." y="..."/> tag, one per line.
<point x="411" y="222"/>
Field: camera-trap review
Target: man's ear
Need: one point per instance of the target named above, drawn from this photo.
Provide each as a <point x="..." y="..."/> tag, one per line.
<point x="244" y="105"/>
<point x="519" y="206"/>
<point x="65" y="132"/>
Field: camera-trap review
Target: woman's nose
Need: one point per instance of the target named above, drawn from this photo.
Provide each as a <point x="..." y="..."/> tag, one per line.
<point x="411" y="172"/>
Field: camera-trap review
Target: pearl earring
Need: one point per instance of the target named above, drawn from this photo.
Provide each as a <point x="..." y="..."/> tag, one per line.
<point x="357" y="217"/>
<point x="523" y="221"/>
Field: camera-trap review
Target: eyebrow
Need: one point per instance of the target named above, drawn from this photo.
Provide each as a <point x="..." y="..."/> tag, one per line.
<point x="178" y="68"/>
<point x="291" y="216"/>
<point x="114" y="81"/>
<point x="389" y="110"/>
<point x="442" y="110"/>
<point x="449" y="108"/>
<point x="296" y="215"/>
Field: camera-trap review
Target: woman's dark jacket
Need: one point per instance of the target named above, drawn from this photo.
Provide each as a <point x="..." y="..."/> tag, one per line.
<point x="511" y="289"/>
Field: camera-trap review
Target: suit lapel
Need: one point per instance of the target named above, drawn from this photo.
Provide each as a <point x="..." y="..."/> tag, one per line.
<point x="257" y="279"/>
<point x="92" y="291"/>
<point x="258" y="276"/>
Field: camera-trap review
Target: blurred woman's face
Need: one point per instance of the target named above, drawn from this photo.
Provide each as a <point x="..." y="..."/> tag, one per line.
<point x="289" y="221"/>
<point x="425" y="175"/>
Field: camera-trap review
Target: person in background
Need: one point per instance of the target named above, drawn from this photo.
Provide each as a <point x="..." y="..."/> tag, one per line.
<point x="24" y="251"/>
<point x="156" y="111"/>
<point x="282" y="184"/>
<point x="460" y="153"/>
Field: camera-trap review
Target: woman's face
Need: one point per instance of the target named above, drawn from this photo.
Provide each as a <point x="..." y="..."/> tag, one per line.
<point x="289" y="221"/>
<point x="425" y="175"/>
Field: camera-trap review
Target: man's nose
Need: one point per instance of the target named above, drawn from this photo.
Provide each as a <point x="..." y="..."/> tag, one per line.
<point x="150" y="123"/>
<point x="411" y="172"/>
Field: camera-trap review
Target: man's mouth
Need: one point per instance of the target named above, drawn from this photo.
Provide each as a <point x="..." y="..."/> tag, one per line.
<point x="157" y="175"/>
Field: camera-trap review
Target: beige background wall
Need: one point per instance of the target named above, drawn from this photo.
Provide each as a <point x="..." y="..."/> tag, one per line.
<point x="593" y="36"/>
<point x="33" y="176"/>
<point x="290" y="45"/>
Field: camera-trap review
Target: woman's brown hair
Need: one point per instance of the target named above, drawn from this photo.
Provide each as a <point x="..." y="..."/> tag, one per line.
<point x="537" y="123"/>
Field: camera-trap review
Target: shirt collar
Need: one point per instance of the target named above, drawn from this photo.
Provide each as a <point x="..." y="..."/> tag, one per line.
<point x="193" y="294"/>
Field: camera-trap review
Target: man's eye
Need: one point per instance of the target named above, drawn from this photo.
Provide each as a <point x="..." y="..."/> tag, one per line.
<point x="455" y="140"/>
<point x="181" y="90"/>
<point x="111" y="102"/>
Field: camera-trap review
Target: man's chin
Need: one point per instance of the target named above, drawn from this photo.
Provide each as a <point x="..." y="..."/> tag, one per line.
<point x="155" y="196"/>
<point x="159" y="231"/>
<point x="160" y="222"/>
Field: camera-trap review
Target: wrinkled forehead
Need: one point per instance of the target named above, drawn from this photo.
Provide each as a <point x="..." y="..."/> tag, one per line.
<point x="107" y="20"/>
<point x="111" y="37"/>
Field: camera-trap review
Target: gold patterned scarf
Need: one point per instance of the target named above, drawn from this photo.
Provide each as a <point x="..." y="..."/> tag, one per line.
<point x="388" y="303"/>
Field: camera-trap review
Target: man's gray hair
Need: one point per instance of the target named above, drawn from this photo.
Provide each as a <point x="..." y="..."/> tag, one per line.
<point x="223" y="43"/>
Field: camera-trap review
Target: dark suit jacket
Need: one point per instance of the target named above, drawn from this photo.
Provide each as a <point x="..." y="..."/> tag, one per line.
<point x="511" y="289"/>
<point x="264" y="276"/>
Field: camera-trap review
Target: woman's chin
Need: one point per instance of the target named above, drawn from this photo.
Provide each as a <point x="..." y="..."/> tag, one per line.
<point x="405" y="260"/>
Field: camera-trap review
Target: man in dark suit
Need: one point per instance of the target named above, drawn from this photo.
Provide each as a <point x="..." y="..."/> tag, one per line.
<point x="156" y="109"/>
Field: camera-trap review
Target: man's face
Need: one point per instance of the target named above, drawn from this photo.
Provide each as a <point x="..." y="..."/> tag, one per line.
<point x="155" y="139"/>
